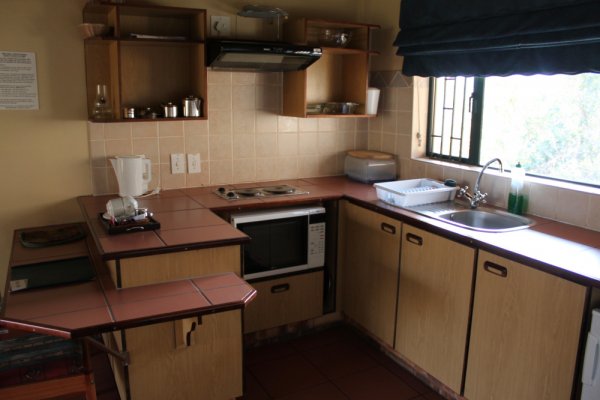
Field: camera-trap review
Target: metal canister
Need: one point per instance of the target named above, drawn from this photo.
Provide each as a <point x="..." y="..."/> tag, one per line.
<point x="192" y="106"/>
<point x="170" y="110"/>
<point x="128" y="112"/>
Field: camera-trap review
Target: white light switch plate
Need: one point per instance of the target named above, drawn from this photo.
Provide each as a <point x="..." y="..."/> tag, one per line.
<point x="194" y="163"/>
<point x="177" y="163"/>
<point x="220" y="26"/>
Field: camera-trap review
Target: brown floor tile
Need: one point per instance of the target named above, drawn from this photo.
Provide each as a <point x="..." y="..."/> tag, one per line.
<point x="268" y="352"/>
<point x="252" y="389"/>
<point x="376" y="383"/>
<point x="323" y="338"/>
<point x="326" y="391"/>
<point x="431" y="395"/>
<point x="402" y="373"/>
<point x="341" y="358"/>
<point x="286" y="375"/>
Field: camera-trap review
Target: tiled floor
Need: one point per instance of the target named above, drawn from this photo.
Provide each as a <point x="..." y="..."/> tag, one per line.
<point x="335" y="364"/>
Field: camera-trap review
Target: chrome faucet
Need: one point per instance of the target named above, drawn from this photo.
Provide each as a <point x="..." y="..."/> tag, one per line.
<point x="478" y="197"/>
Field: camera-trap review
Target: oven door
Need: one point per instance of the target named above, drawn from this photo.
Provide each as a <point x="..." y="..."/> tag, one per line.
<point x="278" y="246"/>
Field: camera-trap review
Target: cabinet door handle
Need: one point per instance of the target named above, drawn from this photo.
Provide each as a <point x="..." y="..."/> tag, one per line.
<point x="388" y="228"/>
<point x="495" y="269"/>
<point x="412" y="238"/>
<point x="284" y="287"/>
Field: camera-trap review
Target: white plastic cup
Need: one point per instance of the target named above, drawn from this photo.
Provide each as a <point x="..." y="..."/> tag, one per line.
<point x="372" y="100"/>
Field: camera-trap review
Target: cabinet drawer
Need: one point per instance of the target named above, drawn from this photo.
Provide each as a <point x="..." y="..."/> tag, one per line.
<point x="285" y="300"/>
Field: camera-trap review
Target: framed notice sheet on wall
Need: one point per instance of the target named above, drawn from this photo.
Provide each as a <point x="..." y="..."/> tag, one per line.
<point x="18" y="81"/>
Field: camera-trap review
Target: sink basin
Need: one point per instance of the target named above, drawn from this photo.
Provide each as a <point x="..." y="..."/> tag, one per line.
<point x="486" y="220"/>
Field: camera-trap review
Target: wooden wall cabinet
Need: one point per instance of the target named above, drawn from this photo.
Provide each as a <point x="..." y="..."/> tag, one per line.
<point x="371" y="259"/>
<point x="525" y="332"/>
<point x="152" y="56"/>
<point x="340" y="75"/>
<point x="285" y="300"/>
<point x="433" y="304"/>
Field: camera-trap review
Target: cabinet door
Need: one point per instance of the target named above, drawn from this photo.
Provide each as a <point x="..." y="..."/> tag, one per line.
<point x="525" y="332"/>
<point x="434" y="299"/>
<point x="371" y="255"/>
<point x="209" y="369"/>
<point x="285" y="300"/>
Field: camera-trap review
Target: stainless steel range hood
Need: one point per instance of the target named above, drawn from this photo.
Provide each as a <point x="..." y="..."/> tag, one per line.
<point x="260" y="56"/>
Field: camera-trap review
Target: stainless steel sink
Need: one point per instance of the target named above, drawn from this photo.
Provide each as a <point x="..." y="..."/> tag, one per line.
<point x="482" y="219"/>
<point x="487" y="220"/>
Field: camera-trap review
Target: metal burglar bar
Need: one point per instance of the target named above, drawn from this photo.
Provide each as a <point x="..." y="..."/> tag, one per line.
<point x="450" y="116"/>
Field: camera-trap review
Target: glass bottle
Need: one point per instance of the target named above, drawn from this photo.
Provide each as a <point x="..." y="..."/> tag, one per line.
<point x="102" y="109"/>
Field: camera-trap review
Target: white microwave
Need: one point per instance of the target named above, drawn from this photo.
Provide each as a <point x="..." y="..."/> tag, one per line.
<point x="282" y="241"/>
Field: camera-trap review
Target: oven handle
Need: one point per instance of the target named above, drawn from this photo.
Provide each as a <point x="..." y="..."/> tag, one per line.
<point x="284" y="287"/>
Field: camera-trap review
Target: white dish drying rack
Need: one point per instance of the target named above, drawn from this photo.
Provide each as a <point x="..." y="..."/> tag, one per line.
<point x="414" y="192"/>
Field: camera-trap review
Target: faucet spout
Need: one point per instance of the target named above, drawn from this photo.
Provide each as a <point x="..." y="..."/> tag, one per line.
<point x="493" y="160"/>
<point x="478" y="197"/>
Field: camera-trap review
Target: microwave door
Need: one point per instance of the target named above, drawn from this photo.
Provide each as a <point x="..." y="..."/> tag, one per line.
<point x="289" y="241"/>
<point x="256" y="253"/>
<point x="274" y="245"/>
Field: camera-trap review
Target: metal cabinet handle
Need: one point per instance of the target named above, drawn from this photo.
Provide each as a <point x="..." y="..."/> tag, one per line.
<point x="412" y="238"/>
<point x="284" y="287"/>
<point x="391" y="229"/>
<point x="495" y="269"/>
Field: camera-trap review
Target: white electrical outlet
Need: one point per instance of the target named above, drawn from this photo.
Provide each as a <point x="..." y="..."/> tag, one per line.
<point x="220" y="26"/>
<point x="177" y="163"/>
<point x="194" y="163"/>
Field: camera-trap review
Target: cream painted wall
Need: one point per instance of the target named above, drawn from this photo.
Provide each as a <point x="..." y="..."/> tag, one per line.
<point x="44" y="157"/>
<point x="385" y="14"/>
<point x="43" y="153"/>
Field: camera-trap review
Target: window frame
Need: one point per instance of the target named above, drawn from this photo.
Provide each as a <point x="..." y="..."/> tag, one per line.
<point x="476" y="133"/>
<point x="476" y="103"/>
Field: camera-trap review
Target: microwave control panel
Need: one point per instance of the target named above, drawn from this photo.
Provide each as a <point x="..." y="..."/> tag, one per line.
<point x="316" y="244"/>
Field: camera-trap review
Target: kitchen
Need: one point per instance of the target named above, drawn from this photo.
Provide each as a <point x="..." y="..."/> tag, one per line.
<point x="59" y="156"/>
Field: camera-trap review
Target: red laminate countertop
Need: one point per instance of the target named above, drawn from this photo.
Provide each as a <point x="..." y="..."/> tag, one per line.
<point x="82" y="309"/>
<point x="187" y="221"/>
<point x="561" y="249"/>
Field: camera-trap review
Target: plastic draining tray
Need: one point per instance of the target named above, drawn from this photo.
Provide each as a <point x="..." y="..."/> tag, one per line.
<point x="414" y="192"/>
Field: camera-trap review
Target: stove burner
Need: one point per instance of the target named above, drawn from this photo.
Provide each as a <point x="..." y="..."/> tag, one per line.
<point x="250" y="192"/>
<point x="269" y="191"/>
<point x="281" y="189"/>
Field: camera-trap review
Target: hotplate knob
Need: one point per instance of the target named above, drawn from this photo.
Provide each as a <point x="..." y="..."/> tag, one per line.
<point x="230" y="194"/>
<point x="221" y="190"/>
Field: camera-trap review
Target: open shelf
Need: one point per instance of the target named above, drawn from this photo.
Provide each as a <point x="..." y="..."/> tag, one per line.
<point x="340" y="75"/>
<point x="146" y="72"/>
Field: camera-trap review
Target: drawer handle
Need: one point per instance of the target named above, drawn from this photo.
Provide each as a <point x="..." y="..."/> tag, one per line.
<point x="495" y="269"/>
<point x="412" y="238"/>
<point x="284" y="287"/>
<point x="391" y="229"/>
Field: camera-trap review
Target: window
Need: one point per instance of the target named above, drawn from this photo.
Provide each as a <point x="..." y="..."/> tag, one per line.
<point x="549" y="123"/>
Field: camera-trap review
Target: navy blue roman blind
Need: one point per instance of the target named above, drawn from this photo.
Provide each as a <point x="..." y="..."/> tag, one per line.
<point x="504" y="37"/>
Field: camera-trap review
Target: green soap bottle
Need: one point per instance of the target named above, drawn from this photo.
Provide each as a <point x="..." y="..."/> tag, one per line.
<point x="516" y="196"/>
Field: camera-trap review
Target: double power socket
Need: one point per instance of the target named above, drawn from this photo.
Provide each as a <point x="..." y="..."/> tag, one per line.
<point x="178" y="163"/>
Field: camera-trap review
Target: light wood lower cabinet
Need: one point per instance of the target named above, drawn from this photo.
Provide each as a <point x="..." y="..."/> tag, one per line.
<point x="525" y="333"/>
<point x="434" y="300"/>
<point x="160" y="367"/>
<point x="285" y="300"/>
<point x="370" y="257"/>
<point x="211" y="368"/>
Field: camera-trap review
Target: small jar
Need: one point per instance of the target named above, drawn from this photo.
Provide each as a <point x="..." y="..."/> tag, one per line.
<point x="128" y="112"/>
<point x="170" y="110"/>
